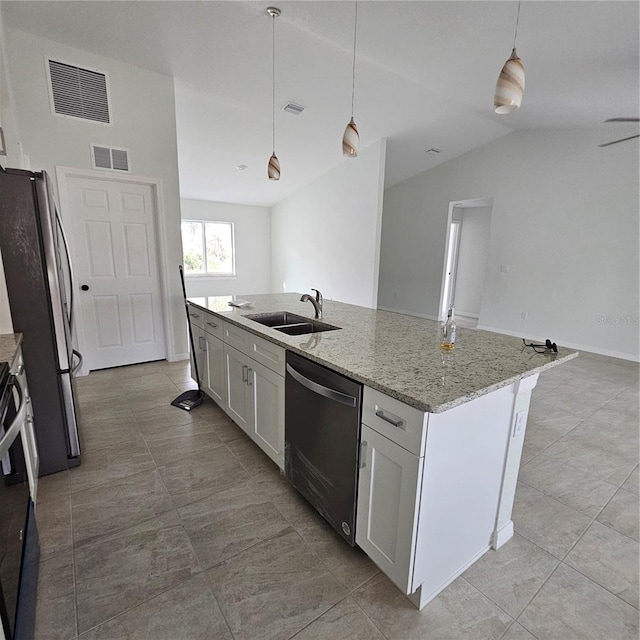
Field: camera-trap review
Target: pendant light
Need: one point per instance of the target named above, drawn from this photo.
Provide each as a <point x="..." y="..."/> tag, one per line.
<point x="273" y="168"/>
<point x="510" y="85"/>
<point x="351" y="137"/>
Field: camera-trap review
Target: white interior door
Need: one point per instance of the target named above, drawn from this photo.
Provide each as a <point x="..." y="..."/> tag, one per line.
<point x="451" y="266"/>
<point x="117" y="274"/>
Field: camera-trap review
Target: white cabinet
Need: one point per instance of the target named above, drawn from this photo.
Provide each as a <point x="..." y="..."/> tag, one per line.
<point x="209" y="354"/>
<point x="388" y="502"/>
<point x="244" y="374"/>
<point x="255" y="401"/>
<point x="267" y="419"/>
<point x="239" y="395"/>
<point x="215" y="378"/>
<point x="199" y="354"/>
<point x="432" y="485"/>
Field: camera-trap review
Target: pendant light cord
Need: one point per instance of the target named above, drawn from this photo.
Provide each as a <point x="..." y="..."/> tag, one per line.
<point x="273" y="81"/>
<point x="517" y="21"/>
<point x="353" y="71"/>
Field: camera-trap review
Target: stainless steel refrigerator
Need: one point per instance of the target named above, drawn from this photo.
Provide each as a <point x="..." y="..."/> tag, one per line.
<point x="38" y="274"/>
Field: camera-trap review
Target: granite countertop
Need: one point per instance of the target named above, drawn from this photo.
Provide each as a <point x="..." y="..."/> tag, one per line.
<point x="397" y="354"/>
<point x="9" y="343"/>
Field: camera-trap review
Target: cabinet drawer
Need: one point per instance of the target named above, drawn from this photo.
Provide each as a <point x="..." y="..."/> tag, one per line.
<point x="196" y="316"/>
<point x="267" y="353"/>
<point x="395" y="420"/>
<point x="237" y="338"/>
<point x="213" y="325"/>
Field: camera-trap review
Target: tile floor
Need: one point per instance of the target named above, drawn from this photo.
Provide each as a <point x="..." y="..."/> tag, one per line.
<point x="177" y="527"/>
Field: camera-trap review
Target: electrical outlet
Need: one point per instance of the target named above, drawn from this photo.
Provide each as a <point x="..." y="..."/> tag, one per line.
<point x="524" y="315"/>
<point x="520" y="423"/>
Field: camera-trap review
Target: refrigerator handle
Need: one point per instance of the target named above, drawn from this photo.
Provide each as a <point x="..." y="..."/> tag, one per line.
<point x="65" y="244"/>
<point x="80" y="361"/>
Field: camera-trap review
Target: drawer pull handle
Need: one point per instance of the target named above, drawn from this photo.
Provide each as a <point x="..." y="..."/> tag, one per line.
<point x="194" y="315"/>
<point x="200" y="341"/>
<point x="363" y="454"/>
<point x="250" y="376"/>
<point x="245" y="373"/>
<point x="396" y="422"/>
<point x="212" y="324"/>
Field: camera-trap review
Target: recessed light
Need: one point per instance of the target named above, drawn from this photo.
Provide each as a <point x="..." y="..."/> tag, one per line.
<point x="242" y="167"/>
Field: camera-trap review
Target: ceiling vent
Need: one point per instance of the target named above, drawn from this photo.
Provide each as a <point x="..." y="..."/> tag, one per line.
<point x="78" y="93"/>
<point x="109" y="158"/>
<point x="292" y="107"/>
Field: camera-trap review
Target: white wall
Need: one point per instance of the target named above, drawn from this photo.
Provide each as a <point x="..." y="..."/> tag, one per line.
<point x="252" y="233"/>
<point x="13" y="157"/>
<point x="327" y="235"/>
<point x="143" y="114"/>
<point x="565" y="220"/>
<point x="472" y="260"/>
<point x="7" y="106"/>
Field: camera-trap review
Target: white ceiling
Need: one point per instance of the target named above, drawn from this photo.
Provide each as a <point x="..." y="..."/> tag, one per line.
<point x="425" y="75"/>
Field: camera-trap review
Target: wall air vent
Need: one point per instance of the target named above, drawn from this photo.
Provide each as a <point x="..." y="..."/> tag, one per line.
<point x="109" y="158"/>
<point x="78" y="93"/>
<point x="292" y="107"/>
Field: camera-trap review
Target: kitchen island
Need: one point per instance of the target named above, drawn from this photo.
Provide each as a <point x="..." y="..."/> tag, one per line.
<point x="442" y="432"/>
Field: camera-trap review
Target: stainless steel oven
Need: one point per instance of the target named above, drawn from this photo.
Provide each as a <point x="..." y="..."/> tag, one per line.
<point x="322" y="440"/>
<point x="19" y="548"/>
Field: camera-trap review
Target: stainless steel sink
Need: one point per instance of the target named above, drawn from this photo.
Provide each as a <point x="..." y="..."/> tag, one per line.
<point x="291" y="323"/>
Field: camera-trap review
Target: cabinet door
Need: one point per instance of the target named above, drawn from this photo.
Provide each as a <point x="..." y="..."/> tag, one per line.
<point x="268" y="411"/>
<point x="388" y="497"/>
<point x="200" y="353"/>
<point x="215" y="378"/>
<point x="238" y="403"/>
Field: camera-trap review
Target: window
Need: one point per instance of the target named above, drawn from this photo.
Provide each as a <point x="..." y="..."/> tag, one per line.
<point x="208" y="248"/>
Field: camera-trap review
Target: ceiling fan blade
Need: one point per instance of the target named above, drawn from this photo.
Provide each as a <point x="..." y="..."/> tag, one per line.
<point x="608" y="144"/>
<point x="623" y="120"/>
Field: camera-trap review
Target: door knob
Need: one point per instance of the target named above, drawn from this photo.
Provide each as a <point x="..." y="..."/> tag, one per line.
<point x="85" y="287"/>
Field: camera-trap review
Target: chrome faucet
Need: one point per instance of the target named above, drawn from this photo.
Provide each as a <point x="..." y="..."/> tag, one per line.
<point x="317" y="302"/>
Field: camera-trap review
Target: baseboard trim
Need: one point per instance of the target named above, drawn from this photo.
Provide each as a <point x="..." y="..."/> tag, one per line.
<point x="571" y="345"/>
<point x="177" y="357"/>
<point x="502" y="535"/>
<point x="404" y="312"/>
<point x="419" y="598"/>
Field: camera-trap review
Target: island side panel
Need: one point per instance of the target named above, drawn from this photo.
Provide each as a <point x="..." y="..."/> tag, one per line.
<point x="522" y="398"/>
<point x="462" y="482"/>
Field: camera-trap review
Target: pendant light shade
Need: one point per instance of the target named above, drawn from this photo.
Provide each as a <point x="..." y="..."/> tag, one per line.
<point x="273" y="168"/>
<point x="351" y="137"/>
<point x="350" y="140"/>
<point x="510" y="85"/>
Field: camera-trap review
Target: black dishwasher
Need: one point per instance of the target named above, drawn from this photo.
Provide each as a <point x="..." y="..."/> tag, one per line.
<point x="322" y="440"/>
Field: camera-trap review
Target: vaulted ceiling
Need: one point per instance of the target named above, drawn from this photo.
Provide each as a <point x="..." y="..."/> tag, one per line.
<point x="425" y="76"/>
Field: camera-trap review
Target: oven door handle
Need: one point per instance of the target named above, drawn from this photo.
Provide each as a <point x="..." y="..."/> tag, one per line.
<point x="7" y="438"/>
<point x="337" y="396"/>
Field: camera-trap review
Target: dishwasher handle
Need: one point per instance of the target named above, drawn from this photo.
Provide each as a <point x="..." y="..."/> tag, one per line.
<point x="337" y="396"/>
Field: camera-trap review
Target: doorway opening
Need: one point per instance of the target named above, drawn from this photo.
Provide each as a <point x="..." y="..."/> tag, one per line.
<point x="466" y="254"/>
